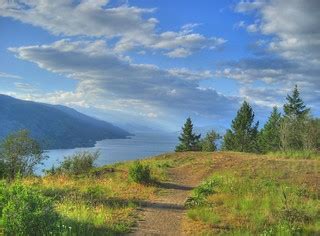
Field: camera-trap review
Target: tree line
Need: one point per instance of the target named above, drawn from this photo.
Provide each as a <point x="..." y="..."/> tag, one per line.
<point x="293" y="130"/>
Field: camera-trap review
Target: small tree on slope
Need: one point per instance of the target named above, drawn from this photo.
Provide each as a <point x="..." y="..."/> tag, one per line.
<point x="189" y="141"/>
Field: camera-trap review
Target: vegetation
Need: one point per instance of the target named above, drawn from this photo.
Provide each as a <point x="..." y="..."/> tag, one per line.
<point x="189" y="141"/>
<point x="256" y="195"/>
<point x="79" y="163"/>
<point x="242" y="136"/>
<point x="269" y="136"/>
<point x="140" y="173"/>
<point x="101" y="202"/>
<point x="295" y="130"/>
<point x="26" y="211"/>
<point x="19" y="154"/>
<point x="208" y="143"/>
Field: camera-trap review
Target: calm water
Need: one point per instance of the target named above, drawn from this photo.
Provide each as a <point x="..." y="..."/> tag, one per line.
<point x="115" y="150"/>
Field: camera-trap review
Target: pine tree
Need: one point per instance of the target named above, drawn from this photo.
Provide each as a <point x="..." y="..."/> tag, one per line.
<point x="269" y="137"/>
<point x="189" y="141"/>
<point x="294" y="122"/>
<point x="242" y="136"/>
<point x="295" y="108"/>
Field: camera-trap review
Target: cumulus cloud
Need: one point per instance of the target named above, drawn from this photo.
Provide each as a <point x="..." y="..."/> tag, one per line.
<point x="294" y="23"/>
<point x="131" y="26"/>
<point x="290" y="43"/>
<point x="108" y="79"/>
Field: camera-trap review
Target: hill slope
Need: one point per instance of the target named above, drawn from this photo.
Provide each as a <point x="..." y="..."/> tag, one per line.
<point x="54" y="126"/>
<point x="226" y="194"/>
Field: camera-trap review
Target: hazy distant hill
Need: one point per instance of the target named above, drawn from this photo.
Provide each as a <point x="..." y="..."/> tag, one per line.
<point x="54" y="126"/>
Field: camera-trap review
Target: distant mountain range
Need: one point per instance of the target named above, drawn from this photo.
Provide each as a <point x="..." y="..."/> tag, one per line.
<point x="54" y="126"/>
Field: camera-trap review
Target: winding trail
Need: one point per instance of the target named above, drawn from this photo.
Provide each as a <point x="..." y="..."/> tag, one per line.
<point x="164" y="215"/>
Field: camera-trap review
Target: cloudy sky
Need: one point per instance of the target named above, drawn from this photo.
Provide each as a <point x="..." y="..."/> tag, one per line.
<point x="155" y="62"/>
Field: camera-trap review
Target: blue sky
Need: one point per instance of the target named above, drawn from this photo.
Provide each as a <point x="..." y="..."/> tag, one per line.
<point x="155" y="62"/>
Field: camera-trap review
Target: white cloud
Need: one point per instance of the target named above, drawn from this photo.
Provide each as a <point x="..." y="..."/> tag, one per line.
<point x="287" y="53"/>
<point x="9" y="76"/>
<point x="179" y="52"/>
<point x="131" y="26"/>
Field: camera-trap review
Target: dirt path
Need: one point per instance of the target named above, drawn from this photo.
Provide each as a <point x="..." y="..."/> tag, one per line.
<point x="164" y="215"/>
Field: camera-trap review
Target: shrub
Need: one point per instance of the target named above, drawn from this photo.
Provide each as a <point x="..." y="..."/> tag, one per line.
<point x="79" y="163"/>
<point x="200" y="193"/>
<point x="20" y="154"/>
<point x="140" y="173"/>
<point x="27" y="212"/>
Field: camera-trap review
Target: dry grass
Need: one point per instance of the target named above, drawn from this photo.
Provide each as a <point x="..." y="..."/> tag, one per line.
<point x="249" y="200"/>
<point x="258" y="195"/>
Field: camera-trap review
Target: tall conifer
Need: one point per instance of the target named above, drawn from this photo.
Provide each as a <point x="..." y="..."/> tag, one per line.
<point x="189" y="141"/>
<point x="242" y="136"/>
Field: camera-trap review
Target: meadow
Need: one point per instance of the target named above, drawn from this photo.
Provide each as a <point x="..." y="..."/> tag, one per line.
<point x="237" y="194"/>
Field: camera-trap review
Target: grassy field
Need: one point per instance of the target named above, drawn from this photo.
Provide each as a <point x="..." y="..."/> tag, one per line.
<point x="103" y="202"/>
<point x="250" y="195"/>
<point x="241" y="194"/>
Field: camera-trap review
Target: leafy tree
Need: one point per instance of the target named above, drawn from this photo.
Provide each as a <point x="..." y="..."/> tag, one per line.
<point x="242" y="136"/>
<point x="208" y="143"/>
<point x="20" y="154"/>
<point x="189" y="141"/>
<point x="269" y="137"/>
<point x="295" y="107"/>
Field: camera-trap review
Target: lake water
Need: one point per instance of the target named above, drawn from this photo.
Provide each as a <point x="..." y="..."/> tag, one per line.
<point x="141" y="145"/>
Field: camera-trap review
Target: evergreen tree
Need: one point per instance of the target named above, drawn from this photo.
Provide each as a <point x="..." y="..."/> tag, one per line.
<point x="269" y="137"/>
<point x="295" y="108"/>
<point x="242" y="136"/>
<point x="293" y="126"/>
<point x="189" y="141"/>
<point x="208" y="143"/>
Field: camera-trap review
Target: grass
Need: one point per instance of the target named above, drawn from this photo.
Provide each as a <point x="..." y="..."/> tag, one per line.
<point x="295" y="155"/>
<point x="255" y="195"/>
<point x="242" y="194"/>
<point x="102" y="202"/>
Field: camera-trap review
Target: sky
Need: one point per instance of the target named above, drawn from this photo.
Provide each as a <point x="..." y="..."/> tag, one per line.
<point x="156" y="62"/>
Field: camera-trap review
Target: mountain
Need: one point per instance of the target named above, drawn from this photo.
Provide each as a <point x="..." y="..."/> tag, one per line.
<point x="54" y="126"/>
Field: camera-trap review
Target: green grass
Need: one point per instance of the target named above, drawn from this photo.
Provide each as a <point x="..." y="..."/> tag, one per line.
<point x="260" y="205"/>
<point x="101" y="202"/>
<point x="242" y="194"/>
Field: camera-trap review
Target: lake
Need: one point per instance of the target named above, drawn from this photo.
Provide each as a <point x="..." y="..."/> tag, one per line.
<point x="141" y="145"/>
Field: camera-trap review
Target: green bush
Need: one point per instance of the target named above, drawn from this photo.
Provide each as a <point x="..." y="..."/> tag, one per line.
<point x="25" y="211"/>
<point x="140" y="173"/>
<point x="205" y="189"/>
<point x="79" y="163"/>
